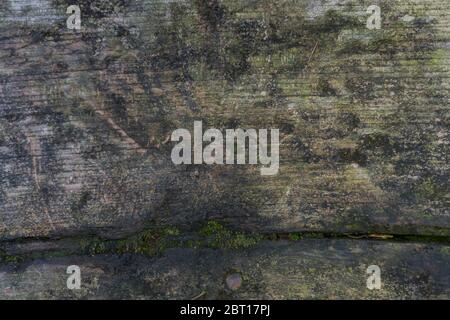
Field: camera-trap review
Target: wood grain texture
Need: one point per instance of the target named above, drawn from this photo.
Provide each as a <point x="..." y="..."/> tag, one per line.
<point x="310" y="269"/>
<point x="85" y="116"/>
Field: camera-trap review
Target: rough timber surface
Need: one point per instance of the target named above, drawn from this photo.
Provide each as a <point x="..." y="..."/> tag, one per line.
<point x="85" y="116"/>
<point x="86" y="176"/>
<point x="309" y="269"/>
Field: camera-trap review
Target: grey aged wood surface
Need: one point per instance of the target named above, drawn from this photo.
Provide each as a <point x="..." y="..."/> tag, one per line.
<point x="309" y="269"/>
<point x="86" y="118"/>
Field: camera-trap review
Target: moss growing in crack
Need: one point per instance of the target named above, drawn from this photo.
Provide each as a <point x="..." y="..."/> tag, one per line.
<point x="149" y="242"/>
<point x="211" y="228"/>
<point x="212" y="235"/>
<point x="154" y="242"/>
<point x="94" y="247"/>
<point x="6" y="258"/>
<point x="192" y="244"/>
<point x="220" y="237"/>
<point x="295" y="236"/>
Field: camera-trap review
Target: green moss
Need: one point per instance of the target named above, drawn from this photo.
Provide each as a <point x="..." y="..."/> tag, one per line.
<point x="211" y="228"/>
<point x="429" y="189"/>
<point x="220" y="237"/>
<point x="6" y="258"/>
<point x="97" y="248"/>
<point x="193" y="244"/>
<point x="295" y="236"/>
<point x="439" y="57"/>
<point x="212" y="235"/>
<point x="241" y="240"/>
<point x="153" y="242"/>
<point x="149" y="242"/>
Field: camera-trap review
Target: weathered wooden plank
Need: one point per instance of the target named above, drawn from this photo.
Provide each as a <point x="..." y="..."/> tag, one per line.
<point x="309" y="269"/>
<point x="85" y="116"/>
